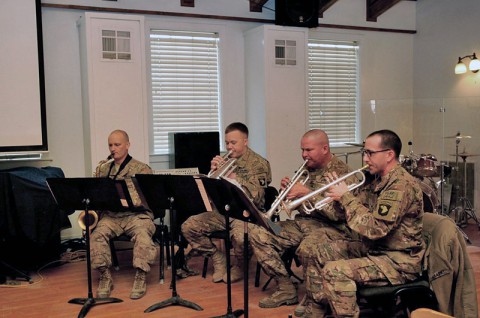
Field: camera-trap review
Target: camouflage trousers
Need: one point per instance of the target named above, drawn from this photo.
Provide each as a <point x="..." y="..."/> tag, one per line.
<point x="139" y="227"/>
<point x="268" y="248"/>
<point x="197" y="229"/>
<point x="335" y="268"/>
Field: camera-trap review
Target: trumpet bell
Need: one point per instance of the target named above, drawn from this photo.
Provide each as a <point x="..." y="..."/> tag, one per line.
<point x="92" y="220"/>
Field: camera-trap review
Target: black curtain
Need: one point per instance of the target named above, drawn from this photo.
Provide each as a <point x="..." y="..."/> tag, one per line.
<point x="30" y="221"/>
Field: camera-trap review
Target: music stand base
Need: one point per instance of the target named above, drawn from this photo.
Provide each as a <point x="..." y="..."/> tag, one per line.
<point x="90" y="302"/>
<point x="175" y="300"/>
<point x="236" y="313"/>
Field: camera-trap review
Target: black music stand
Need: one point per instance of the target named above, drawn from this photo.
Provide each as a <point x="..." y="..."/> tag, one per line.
<point x="231" y="201"/>
<point x="162" y="192"/>
<point x="90" y="194"/>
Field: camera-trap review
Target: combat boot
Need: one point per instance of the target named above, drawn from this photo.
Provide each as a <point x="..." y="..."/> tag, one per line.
<point x="219" y="266"/>
<point x="300" y="309"/>
<point x="139" y="285"/>
<point x="236" y="274"/>
<point x="285" y="294"/>
<point x="314" y="310"/>
<point x="105" y="284"/>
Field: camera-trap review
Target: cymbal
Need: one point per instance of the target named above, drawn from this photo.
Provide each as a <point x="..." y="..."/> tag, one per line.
<point x="465" y="154"/>
<point x="354" y="144"/>
<point x="457" y="136"/>
<point x="340" y="154"/>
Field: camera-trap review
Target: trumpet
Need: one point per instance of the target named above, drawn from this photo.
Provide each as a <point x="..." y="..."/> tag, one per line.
<point x="92" y="220"/>
<point x="290" y="206"/>
<point x="225" y="168"/>
<point x="280" y="200"/>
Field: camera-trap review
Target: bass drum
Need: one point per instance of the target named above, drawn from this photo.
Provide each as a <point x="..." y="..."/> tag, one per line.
<point x="430" y="197"/>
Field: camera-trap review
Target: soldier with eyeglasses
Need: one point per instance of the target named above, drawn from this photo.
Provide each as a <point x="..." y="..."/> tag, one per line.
<point x="387" y="214"/>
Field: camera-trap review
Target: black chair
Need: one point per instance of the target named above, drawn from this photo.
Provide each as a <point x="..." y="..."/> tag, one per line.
<point x="288" y="257"/>
<point x="161" y="237"/>
<point x="396" y="301"/>
<point x="270" y="195"/>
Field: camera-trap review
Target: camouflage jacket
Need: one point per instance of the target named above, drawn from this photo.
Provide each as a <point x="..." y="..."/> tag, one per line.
<point x="388" y="215"/>
<point x="131" y="168"/>
<point x="254" y="175"/>
<point x="317" y="179"/>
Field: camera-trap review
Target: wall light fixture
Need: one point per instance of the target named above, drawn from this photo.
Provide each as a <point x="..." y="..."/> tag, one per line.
<point x="473" y="66"/>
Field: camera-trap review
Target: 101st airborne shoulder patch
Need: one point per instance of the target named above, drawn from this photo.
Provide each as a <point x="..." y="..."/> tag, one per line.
<point x="388" y="205"/>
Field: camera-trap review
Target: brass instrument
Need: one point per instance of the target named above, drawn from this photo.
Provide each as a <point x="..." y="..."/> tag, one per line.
<point x="225" y="168"/>
<point x="101" y="163"/>
<point x="290" y="206"/>
<point x="92" y="220"/>
<point x="280" y="200"/>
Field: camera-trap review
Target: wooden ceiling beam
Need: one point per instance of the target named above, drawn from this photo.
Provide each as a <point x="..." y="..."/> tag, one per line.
<point x="375" y="8"/>
<point x="257" y="5"/>
<point x="323" y="5"/>
<point x="187" y="3"/>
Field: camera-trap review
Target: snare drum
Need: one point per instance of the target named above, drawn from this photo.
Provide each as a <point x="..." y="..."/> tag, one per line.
<point x="425" y="166"/>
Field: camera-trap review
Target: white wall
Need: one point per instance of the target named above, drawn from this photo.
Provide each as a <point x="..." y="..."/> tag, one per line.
<point x="447" y="30"/>
<point x="386" y="67"/>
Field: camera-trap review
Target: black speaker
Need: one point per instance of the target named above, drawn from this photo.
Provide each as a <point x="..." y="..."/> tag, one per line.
<point x="301" y="13"/>
<point x="194" y="149"/>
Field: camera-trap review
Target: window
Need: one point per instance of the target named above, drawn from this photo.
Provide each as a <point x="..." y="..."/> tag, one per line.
<point x="185" y="84"/>
<point x="333" y="89"/>
<point x="116" y="45"/>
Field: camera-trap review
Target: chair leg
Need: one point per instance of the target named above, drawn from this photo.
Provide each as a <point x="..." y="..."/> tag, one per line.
<point x="257" y="274"/>
<point x="113" y="252"/>
<point x="267" y="283"/>
<point x="205" y="267"/>
<point x="162" y="257"/>
<point x="167" y="244"/>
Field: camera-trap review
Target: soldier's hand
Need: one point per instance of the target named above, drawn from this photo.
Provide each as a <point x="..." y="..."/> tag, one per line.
<point x="337" y="190"/>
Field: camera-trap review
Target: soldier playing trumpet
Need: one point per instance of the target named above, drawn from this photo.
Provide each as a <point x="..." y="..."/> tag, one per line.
<point x="253" y="174"/>
<point x="268" y="248"/>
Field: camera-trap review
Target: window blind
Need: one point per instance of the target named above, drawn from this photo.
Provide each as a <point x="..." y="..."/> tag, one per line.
<point x="333" y="89"/>
<point x="185" y="84"/>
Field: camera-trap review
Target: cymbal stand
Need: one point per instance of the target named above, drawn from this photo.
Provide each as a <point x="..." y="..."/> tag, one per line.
<point x="442" y="186"/>
<point x="468" y="211"/>
<point x="456" y="209"/>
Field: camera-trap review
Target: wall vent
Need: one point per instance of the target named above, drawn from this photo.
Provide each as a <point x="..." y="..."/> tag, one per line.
<point x="285" y="52"/>
<point x="116" y="45"/>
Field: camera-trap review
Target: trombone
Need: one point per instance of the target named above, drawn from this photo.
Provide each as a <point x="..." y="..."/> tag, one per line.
<point x="290" y="206"/>
<point x="280" y="200"/>
<point x="225" y="168"/>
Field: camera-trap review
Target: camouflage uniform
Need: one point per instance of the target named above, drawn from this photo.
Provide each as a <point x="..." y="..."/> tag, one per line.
<point x="387" y="214"/>
<point x="254" y="175"/>
<point x="299" y="232"/>
<point x="138" y="225"/>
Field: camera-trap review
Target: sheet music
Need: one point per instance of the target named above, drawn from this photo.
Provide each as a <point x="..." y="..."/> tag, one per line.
<point x="203" y="194"/>
<point x="179" y="171"/>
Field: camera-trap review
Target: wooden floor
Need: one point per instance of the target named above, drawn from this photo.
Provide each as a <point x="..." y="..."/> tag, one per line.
<point x="49" y="294"/>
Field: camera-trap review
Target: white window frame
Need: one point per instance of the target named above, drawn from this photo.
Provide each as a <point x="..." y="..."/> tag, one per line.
<point x="333" y="89"/>
<point x="191" y="103"/>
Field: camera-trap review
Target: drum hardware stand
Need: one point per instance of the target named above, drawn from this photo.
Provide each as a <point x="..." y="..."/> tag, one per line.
<point x="467" y="212"/>
<point x="442" y="186"/>
<point x="346" y="154"/>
